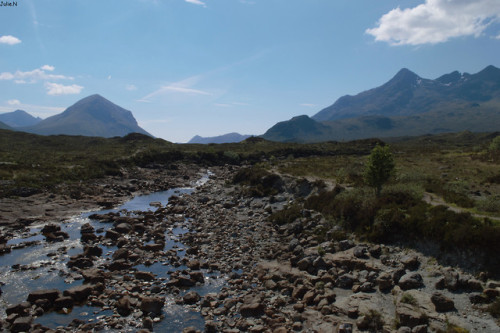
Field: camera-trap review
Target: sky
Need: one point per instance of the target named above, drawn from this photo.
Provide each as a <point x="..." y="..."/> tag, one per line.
<point x="210" y="67"/>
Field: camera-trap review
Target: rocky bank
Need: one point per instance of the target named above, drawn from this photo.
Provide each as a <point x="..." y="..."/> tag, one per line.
<point x="276" y="278"/>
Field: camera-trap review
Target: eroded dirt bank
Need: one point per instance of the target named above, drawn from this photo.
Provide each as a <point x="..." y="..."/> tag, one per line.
<point x="277" y="278"/>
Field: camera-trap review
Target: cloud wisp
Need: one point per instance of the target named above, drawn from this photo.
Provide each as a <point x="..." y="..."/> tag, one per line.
<point x="436" y="21"/>
<point x="39" y="74"/>
<point x="183" y="87"/>
<point x="196" y="2"/>
<point x="56" y="89"/>
<point x="9" y="40"/>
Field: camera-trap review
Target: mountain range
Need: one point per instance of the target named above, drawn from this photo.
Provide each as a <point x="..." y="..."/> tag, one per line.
<point x="226" y="138"/>
<point x="19" y="118"/>
<point x="406" y="105"/>
<point x="91" y="116"/>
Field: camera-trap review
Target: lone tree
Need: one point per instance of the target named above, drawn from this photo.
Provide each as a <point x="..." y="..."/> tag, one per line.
<point x="379" y="168"/>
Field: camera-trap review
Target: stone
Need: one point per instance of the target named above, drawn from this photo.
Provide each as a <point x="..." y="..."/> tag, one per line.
<point x="360" y="252"/>
<point x="123" y="306"/>
<point x="345" y="328"/>
<point x="21" y="324"/>
<point x="194" y="265"/>
<point x="419" y="329"/>
<point x="410" y="262"/>
<point x="411" y="281"/>
<point x="93" y="275"/>
<point x="152" y="304"/>
<point x="384" y="282"/>
<point x="50" y="294"/>
<point x="79" y="293"/>
<point x="197" y="276"/>
<point x="407" y="316"/>
<point x="191" y="297"/>
<point x="19" y="309"/>
<point x="144" y="276"/>
<point x="63" y="302"/>
<point x="299" y="292"/>
<point x="442" y="303"/>
<point x="254" y="309"/>
<point x="345" y="281"/>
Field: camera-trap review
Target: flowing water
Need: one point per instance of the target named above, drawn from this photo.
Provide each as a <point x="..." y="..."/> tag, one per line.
<point x="41" y="265"/>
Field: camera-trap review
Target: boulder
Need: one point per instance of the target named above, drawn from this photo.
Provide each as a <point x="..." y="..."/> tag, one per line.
<point x="79" y="293"/>
<point x="21" y="324"/>
<point x="144" y="276"/>
<point x="152" y="304"/>
<point x="191" y="297"/>
<point x="252" y="309"/>
<point x="123" y="306"/>
<point x="442" y="303"/>
<point x="411" y="281"/>
<point x="407" y="316"/>
<point x="50" y="294"/>
<point x="63" y="302"/>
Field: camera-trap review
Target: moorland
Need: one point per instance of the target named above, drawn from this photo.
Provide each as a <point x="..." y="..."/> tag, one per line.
<point x="305" y="242"/>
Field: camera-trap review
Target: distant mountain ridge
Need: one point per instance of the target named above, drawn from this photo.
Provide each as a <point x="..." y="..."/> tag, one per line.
<point x="405" y="105"/>
<point x="19" y="118"/>
<point x="226" y="138"/>
<point x="91" y="116"/>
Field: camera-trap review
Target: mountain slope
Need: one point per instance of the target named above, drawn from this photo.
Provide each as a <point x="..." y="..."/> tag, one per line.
<point x="91" y="116"/>
<point x="19" y="118"/>
<point x="226" y="138"/>
<point x="407" y="105"/>
<point x="298" y="129"/>
<point x="408" y="94"/>
<point x="5" y="126"/>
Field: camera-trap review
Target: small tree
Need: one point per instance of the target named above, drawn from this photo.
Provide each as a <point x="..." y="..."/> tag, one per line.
<point x="379" y="168"/>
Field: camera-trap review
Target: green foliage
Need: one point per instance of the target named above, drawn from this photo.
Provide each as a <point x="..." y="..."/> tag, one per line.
<point x="494" y="308"/>
<point x="260" y="182"/>
<point x="286" y="215"/>
<point x="494" y="146"/>
<point x="379" y="168"/>
<point x="408" y="299"/>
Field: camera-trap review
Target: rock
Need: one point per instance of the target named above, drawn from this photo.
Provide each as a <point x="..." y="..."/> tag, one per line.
<point x="191" y="297"/>
<point x="79" y="293"/>
<point x="451" y="279"/>
<point x="345" y="328"/>
<point x="19" y="309"/>
<point x="411" y="281"/>
<point x="152" y="304"/>
<point x="21" y="324"/>
<point x="375" y="251"/>
<point x="50" y="228"/>
<point x="410" y="262"/>
<point x="299" y="292"/>
<point x="79" y="261"/>
<point x="111" y="234"/>
<point x="474" y="285"/>
<point x="419" y="329"/>
<point x="63" y="302"/>
<point x="254" y="309"/>
<point x="144" y="276"/>
<point x="478" y="298"/>
<point x="123" y="228"/>
<point x="360" y="252"/>
<point x="384" y="282"/>
<point x="345" y="281"/>
<point x="304" y="264"/>
<point x="442" y="303"/>
<point x="90" y="251"/>
<point x="197" y="276"/>
<point x="93" y="275"/>
<point x="194" y="265"/>
<point x="119" y="265"/>
<point x="190" y="329"/>
<point x="407" y="316"/>
<point x="51" y="295"/>
<point x="346" y="244"/>
<point x="154" y="247"/>
<point x="123" y="306"/>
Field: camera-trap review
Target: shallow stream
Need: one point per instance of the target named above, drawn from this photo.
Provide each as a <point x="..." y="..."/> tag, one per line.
<point x="34" y="264"/>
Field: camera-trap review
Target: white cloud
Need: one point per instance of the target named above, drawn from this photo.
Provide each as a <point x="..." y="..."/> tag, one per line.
<point x="436" y="21"/>
<point x="59" y="89"/>
<point x="35" y="110"/>
<point x="47" y="68"/>
<point x="196" y="2"/>
<point x="9" y="40"/>
<point x="33" y="76"/>
<point x="130" y="87"/>
<point x="181" y="87"/>
<point x="13" y="102"/>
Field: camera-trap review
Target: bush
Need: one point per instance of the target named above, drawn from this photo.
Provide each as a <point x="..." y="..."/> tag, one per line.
<point x="286" y="215"/>
<point x="261" y="182"/>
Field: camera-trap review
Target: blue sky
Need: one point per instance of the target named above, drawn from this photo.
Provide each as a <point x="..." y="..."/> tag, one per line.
<point x="209" y="67"/>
